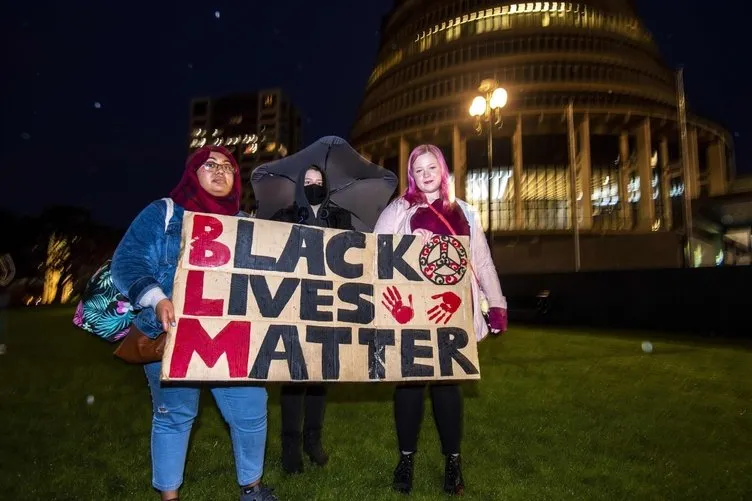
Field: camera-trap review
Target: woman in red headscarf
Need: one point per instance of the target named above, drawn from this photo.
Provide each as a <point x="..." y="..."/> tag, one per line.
<point x="143" y="269"/>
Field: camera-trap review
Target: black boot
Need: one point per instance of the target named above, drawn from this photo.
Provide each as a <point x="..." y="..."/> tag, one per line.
<point x="312" y="446"/>
<point x="313" y="422"/>
<point x="453" y="482"/>
<point x="292" y="457"/>
<point x="403" y="474"/>
<point x="291" y="404"/>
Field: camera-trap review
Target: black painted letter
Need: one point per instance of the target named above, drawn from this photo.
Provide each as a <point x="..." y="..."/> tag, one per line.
<point x="244" y="257"/>
<point x="336" y="249"/>
<point x="238" y="303"/>
<point x="410" y="352"/>
<point x="310" y="300"/>
<point x="390" y="259"/>
<point x="451" y="341"/>
<point x="352" y="293"/>
<point x="271" y="307"/>
<point x="306" y="242"/>
<point x="268" y="352"/>
<point x="329" y="338"/>
<point x="377" y="341"/>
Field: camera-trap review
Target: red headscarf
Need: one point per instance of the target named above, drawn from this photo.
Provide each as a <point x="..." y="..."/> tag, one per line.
<point x="190" y="195"/>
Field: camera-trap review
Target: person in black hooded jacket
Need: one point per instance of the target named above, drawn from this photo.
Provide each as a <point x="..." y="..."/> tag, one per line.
<point x="304" y="404"/>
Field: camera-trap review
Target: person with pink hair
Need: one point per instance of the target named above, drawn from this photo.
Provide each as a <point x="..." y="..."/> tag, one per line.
<point x="428" y="208"/>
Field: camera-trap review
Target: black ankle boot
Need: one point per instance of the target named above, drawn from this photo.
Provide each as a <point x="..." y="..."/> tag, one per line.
<point x="403" y="474"/>
<point x="312" y="446"/>
<point x="292" y="457"/>
<point x="453" y="482"/>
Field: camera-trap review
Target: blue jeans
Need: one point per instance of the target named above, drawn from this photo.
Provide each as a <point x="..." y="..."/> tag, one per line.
<point x="174" y="410"/>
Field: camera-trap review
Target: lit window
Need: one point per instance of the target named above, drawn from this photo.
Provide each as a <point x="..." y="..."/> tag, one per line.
<point x="697" y="256"/>
<point x="719" y="258"/>
<point x="476" y="194"/>
<point x="633" y="189"/>
<point x="516" y="16"/>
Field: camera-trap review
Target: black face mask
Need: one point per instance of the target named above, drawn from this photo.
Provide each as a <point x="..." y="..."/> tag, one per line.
<point x="315" y="194"/>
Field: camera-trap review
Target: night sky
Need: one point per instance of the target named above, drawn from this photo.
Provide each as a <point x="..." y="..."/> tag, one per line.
<point x="96" y="93"/>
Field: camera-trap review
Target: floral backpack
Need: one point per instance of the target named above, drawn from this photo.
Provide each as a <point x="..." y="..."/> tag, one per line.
<point x="103" y="310"/>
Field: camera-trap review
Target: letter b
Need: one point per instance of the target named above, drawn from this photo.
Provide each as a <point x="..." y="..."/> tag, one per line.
<point x="205" y="250"/>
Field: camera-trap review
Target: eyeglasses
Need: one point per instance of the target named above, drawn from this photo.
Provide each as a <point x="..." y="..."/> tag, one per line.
<point x="213" y="167"/>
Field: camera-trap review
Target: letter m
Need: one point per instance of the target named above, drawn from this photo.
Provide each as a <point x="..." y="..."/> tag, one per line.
<point x="234" y="340"/>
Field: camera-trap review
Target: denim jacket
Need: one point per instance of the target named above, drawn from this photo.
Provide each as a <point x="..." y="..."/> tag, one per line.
<point x="145" y="261"/>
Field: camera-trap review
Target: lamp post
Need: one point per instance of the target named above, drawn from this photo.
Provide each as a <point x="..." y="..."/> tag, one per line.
<point x="573" y="184"/>
<point x="681" y="105"/>
<point x="487" y="108"/>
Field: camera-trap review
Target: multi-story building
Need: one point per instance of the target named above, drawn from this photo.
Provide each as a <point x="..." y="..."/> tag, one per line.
<point x="257" y="127"/>
<point x="595" y="54"/>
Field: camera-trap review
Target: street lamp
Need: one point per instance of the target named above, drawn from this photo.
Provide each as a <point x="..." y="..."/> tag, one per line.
<point x="487" y="108"/>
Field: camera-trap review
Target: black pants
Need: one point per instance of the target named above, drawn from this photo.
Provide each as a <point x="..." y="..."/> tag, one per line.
<point x="447" y="412"/>
<point x="302" y="404"/>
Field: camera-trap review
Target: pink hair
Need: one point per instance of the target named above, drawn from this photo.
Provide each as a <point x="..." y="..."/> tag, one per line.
<point x="413" y="195"/>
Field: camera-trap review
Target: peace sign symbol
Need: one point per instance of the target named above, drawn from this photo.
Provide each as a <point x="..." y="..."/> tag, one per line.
<point x="443" y="260"/>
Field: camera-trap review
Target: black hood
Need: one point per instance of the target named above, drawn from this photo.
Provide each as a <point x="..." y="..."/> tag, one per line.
<point x="305" y="212"/>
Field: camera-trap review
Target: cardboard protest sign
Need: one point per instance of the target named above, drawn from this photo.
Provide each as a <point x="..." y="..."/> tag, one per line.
<point x="259" y="300"/>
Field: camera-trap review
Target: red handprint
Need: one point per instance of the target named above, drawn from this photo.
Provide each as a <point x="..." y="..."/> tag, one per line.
<point x="393" y="302"/>
<point x="450" y="302"/>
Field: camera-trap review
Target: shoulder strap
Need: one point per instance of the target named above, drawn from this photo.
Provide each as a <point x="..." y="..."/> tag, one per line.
<point x="443" y="219"/>
<point x="169" y="213"/>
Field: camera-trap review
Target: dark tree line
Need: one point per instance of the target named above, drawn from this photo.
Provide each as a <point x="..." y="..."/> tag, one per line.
<point x="79" y="246"/>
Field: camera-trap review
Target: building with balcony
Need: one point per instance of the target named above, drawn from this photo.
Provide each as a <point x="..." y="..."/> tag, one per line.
<point x="256" y="127"/>
<point x="595" y="54"/>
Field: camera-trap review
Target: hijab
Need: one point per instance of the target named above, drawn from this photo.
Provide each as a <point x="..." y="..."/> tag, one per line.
<point x="190" y="195"/>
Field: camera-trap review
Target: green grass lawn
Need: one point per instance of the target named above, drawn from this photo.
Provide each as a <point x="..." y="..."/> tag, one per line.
<point x="558" y="415"/>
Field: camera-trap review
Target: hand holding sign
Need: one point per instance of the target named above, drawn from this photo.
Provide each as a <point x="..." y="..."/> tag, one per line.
<point x="393" y="302"/>
<point x="424" y="235"/>
<point x="450" y="302"/>
<point x="165" y="312"/>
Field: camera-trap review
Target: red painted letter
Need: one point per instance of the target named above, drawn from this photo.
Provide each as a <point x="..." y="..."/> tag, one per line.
<point x="234" y="340"/>
<point x="195" y="303"/>
<point x="205" y="250"/>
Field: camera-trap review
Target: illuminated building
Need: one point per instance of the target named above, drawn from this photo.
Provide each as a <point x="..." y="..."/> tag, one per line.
<point x="598" y="55"/>
<point x="256" y="127"/>
<point x="57" y="271"/>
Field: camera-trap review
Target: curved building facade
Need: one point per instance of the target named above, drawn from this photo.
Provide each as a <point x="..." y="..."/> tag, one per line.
<point x="595" y="54"/>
